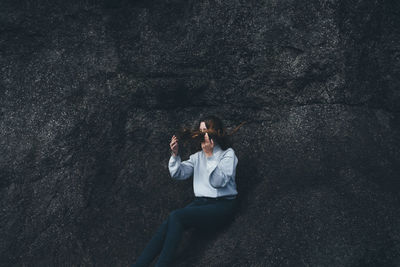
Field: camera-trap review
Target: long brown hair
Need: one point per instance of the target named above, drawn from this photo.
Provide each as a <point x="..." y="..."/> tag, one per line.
<point x="215" y="129"/>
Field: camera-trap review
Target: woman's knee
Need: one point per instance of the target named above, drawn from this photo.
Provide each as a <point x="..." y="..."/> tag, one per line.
<point x="179" y="217"/>
<point x="174" y="215"/>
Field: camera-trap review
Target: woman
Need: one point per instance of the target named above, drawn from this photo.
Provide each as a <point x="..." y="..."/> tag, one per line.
<point x="213" y="169"/>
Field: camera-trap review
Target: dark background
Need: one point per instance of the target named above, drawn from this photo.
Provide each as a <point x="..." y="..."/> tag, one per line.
<point x="92" y="91"/>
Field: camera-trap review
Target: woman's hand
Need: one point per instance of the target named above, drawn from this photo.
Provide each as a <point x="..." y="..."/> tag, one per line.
<point x="207" y="145"/>
<point x="174" y="145"/>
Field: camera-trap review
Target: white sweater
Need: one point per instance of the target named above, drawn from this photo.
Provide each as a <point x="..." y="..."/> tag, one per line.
<point x="213" y="176"/>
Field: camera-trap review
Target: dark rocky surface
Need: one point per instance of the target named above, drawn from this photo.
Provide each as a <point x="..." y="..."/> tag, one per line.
<point x="92" y="91"/>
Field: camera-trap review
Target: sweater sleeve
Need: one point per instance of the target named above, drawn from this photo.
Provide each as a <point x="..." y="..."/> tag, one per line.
<point x="220" y="172"/>
<point x="181" y="170"/>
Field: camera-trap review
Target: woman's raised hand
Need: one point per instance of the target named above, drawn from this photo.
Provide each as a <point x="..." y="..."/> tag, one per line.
<point x="174" y="145"/>
<point x="207" y="145"/>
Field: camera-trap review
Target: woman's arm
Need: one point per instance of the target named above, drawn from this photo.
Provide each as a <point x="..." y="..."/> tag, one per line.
<point x="181" y="170"/>
<point x="221" y="172"/>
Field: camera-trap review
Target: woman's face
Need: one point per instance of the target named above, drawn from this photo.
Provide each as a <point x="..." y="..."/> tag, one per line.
<point x="203" y="126"/>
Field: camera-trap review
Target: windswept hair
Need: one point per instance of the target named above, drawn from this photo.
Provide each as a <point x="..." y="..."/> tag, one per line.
<point x="215" y="129"/>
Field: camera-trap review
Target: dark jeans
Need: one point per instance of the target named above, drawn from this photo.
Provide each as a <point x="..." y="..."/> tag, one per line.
<point x="204" y="213"/>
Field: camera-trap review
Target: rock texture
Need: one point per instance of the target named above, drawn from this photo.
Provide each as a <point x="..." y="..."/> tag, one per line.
<point x="92" y="91"/>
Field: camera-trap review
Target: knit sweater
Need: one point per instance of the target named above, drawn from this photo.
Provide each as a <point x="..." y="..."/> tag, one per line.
<point x="213" y="176"/>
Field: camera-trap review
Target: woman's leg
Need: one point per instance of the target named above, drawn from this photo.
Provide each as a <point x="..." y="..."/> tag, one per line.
<point x="208" y="214"/>
<point x="155" y="245"/>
